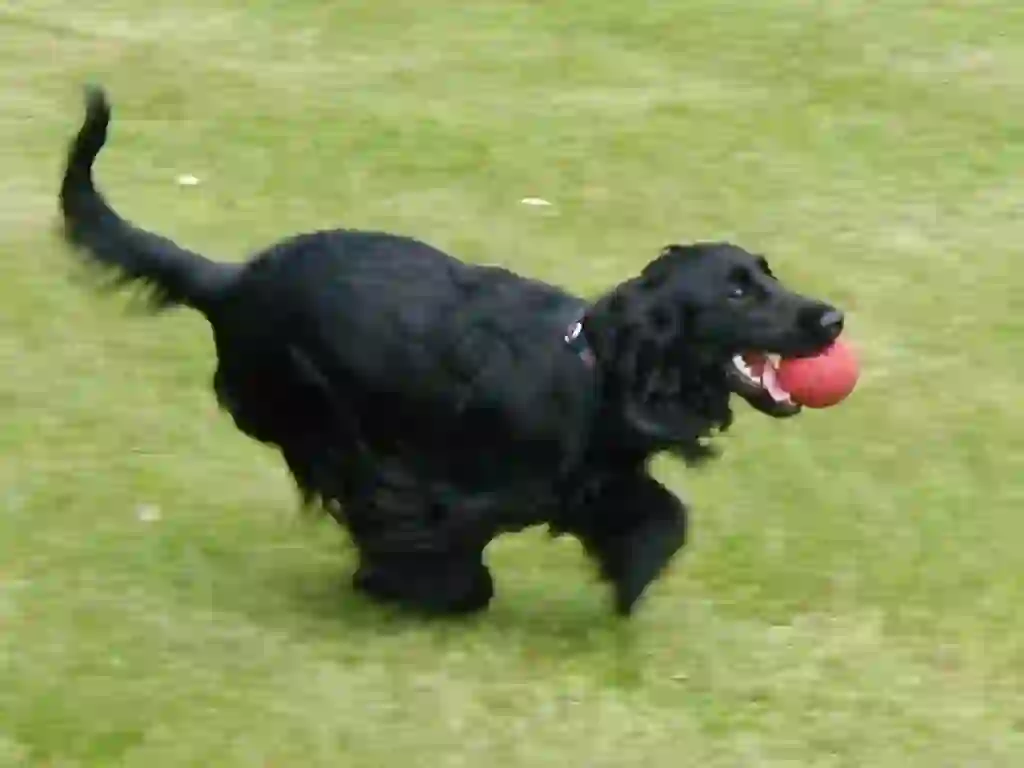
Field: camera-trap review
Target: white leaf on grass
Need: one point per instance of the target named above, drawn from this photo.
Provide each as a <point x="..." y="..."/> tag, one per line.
<point x="148" y="513"/>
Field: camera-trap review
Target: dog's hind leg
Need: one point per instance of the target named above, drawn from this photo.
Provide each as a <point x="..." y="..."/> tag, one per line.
<point x="633" y="529"/>
<point x="281" y="399"/>
<point x="434" y="583"/>
<point x="407" y="554"/>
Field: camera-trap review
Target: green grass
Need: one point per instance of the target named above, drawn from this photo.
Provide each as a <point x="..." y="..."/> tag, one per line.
<point x="853" y="595"/>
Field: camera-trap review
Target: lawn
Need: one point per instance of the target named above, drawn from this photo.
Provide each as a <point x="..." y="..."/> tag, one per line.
<point x="854" y="591"/>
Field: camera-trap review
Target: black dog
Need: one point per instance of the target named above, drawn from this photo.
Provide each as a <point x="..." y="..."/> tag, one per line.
<point x="430" y="405"/>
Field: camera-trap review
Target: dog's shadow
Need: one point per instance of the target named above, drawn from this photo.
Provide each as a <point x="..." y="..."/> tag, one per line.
<point x="555" y="611"/>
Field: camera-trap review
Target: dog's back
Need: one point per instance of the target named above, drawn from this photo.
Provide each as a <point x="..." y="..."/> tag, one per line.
<point x="341" y="340"/>
<point x="431" y="356"/>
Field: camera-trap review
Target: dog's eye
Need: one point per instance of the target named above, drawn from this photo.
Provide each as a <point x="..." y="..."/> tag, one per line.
<point x="741" y="284"/>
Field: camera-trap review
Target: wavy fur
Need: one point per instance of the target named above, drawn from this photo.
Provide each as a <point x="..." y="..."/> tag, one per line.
<point x="430" y="405"/>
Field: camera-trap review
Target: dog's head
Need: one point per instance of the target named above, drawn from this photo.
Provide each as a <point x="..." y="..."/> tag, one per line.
<point x="699" y="320"/>
<point x="742" y="317"/>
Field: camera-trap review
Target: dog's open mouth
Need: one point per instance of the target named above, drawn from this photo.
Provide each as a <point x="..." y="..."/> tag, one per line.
<point x="754" y="376"/>
<point x="763" y="371"/>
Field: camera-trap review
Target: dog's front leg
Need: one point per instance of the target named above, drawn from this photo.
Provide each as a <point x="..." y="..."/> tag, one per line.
<point x="633" y="529"/>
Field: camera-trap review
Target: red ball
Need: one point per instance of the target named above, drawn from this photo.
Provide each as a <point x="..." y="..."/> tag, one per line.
<point x="821" y="381"/>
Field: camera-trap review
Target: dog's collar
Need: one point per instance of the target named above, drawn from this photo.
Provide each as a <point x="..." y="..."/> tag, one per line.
<point x="576" y="340"/>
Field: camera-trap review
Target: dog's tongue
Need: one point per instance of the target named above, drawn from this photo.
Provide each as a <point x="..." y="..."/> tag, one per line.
<point x="755" y="362"/>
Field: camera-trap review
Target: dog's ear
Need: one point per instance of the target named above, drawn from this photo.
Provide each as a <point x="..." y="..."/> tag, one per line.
<point x="655" y="371"/>
<point x="646" y="331"/>
<point x="675" y="428"/>
<point x="649" y="366"/>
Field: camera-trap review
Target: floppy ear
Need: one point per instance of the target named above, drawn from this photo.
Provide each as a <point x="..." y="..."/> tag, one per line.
<point x="658" y="376"/>
<point x="647" y="350"/>
<point x="676" y="429"/>
<point x="645" y="332"/>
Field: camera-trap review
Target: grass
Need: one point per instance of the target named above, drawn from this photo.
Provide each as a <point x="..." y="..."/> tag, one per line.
<point x="853" y="594"/>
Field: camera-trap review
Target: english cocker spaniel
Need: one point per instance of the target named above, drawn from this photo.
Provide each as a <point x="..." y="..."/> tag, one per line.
<point x="430" y="405"/>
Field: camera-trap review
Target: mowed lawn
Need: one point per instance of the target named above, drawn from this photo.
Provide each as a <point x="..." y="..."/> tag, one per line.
<point x="854" y="591"/>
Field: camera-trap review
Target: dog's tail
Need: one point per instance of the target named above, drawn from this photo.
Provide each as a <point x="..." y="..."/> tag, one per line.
<point x="173" y="275"/>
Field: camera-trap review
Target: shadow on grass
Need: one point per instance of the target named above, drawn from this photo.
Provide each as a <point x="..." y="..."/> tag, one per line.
<point x="526" y="623"/>
<point x="550" y="609"/>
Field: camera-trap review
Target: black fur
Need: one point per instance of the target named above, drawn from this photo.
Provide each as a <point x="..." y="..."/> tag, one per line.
<point x="430" y="405"/>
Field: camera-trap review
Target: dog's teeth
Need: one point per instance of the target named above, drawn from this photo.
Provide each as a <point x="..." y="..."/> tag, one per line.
<point x="775" y="359"/>
<point x="742" y="367"/>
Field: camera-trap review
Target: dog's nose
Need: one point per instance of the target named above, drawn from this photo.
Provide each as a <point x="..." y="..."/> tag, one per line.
<point x="831" y="322"/>
<point x="821" y="322"/>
